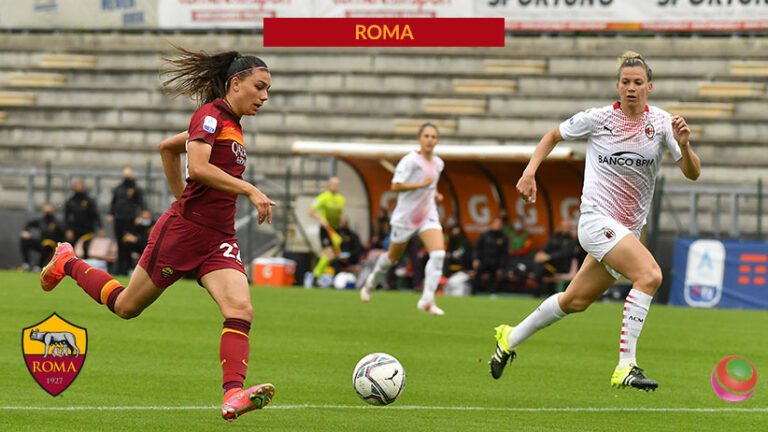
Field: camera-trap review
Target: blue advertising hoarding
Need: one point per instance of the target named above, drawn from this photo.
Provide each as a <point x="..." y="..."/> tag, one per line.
<point x="729" y="274"/>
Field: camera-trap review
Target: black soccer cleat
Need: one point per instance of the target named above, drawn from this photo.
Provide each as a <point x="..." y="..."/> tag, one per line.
<point x="633" y="377"/>
<point x="502" y="355"/>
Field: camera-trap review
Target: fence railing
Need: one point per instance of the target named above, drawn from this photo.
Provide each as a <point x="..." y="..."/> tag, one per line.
<point x="51" y="184"/>
<point x="734" y="211"/>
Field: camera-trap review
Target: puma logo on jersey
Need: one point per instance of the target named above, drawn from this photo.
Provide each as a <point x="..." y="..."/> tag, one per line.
<point x="610" y="130"/>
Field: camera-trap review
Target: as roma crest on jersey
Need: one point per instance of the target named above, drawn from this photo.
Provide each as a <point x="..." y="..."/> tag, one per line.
<point x="54" y="350"/>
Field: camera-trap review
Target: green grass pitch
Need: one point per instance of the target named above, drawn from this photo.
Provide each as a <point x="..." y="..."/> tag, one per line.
<point x="307" y="342"/>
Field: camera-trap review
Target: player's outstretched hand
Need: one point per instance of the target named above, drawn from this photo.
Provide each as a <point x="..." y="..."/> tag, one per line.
<point x="526" y="186"/>
<point x="680" y="129"/>
<point x="263" y="205"/>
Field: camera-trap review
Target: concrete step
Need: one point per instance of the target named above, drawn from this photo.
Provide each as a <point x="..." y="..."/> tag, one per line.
<point x="755" y="68"/>
<point x="36" y="79"/>
<point x="67" y="61"/>
<point x="17" y="98"/>
<point x="484" y="86"/>
<point x="731" y="89"/>
<point x="701" y="110"/>
<point x="515" y="66"/>
<point x="454" y="106"/>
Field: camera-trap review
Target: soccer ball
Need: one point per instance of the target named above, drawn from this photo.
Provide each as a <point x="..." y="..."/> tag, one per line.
<point x="344" y="280"/>
<point x="379" y="379"/>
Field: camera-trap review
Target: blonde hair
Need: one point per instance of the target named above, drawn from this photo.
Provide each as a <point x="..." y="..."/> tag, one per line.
<point x="631" y="59"/>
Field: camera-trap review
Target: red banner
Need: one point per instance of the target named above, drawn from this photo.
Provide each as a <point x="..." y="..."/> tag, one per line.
<point x="383" y="32"/>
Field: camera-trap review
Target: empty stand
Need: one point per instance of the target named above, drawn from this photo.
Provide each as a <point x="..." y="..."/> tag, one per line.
<point x="95" y="100"/>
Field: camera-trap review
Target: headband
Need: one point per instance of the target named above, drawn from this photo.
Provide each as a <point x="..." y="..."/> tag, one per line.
<point x="249" y="69"/>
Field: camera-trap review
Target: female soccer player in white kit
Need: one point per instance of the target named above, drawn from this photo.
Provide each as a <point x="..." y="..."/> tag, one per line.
<point x="415" y="180"/>
<point x="624" y="150"/>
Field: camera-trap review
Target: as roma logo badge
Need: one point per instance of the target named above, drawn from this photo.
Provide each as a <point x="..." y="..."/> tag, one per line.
<point x="54" y="350"/>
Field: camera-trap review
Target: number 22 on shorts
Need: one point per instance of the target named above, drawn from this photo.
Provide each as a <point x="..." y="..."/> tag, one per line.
<point x="228" y="248"/>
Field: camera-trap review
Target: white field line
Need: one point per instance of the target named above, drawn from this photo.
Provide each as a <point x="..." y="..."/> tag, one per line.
<point x="395" y="407"/>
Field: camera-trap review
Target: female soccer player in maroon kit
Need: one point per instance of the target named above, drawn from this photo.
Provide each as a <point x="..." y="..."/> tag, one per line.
<point x="197" y="232"/>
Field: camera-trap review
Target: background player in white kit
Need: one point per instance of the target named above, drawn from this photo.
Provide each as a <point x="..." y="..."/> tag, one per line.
<point x="415" y="180"/>
<point x="624" y="150"/>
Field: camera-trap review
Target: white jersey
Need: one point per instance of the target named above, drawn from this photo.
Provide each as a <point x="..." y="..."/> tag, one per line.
<point x="623" y="158"/>
<point x="416" y="207"/>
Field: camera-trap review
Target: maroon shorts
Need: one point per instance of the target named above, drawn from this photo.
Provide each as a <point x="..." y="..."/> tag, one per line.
<point x="177" y="246"/>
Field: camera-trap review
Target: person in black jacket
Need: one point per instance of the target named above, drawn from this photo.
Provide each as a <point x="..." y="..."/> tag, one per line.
<point x="458" y="251"/>
<point x="127" y="202"/>
<point x="555" y="257"/>
<point x="490" y="257"/>
<point x="351" y="247"/>
<point x="136" y="238"/>
<point x="41" y="235"/>
<point x="81" y="216"/>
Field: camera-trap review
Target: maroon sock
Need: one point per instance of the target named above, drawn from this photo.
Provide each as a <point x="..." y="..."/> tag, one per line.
<point x="234" y="351"/>
<point x="99" y="284"/>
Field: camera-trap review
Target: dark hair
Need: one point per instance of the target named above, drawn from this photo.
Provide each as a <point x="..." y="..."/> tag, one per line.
<point x="205" y="77"/>
<point x="426" y="125"/>
<point x="630" y="59"/>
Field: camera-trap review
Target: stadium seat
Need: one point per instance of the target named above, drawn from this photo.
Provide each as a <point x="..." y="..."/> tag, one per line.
<point x="454" y="106"/>
<point x="67" y="61"/>
<point x="756" y="68"/>
<point x="702" y="110"/>
<point x="484" y="86"/>
<point x="512" y="66"/>
<point x="17" y="98"/>
<point x="411" y="126"/>
<point x="36" y="79"/>
<point x="731" y="89"/>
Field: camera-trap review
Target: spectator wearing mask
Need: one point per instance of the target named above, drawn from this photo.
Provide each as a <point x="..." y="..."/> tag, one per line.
<point x="556" y="257"/>
<point x="81" y="217"/>
<point x="127" y="201"/>
<point x="136" y="239"/>
<point x="41" y="235"/>
<point x="491" y="251"/>
<point x="351" y="247"/>
<point x="519" y="249"/>
<point x="458" y="251"/>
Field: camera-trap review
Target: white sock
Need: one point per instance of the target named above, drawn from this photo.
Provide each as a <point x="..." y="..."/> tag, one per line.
<point x="432" y="273"/>
<point x="548" y="312"/>
<point x="382" y="265"/>
<point x="635" y="309"/>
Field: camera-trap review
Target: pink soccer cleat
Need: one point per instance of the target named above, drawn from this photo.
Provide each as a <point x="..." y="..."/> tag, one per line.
<point x="53" y="272"/>
<point x="238" y="401"/>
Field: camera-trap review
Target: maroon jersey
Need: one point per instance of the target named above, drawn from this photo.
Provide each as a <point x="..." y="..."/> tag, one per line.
<point x="215" y="124"/>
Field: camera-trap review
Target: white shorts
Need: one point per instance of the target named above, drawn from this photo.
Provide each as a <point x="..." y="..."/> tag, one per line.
<point x="402" y="234"/>
<point x="598" y="234"/>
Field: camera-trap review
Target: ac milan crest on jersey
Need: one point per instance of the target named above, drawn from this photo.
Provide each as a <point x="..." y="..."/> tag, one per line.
<point x="54" y="351"/>
<point x="609" y="234"/>
<point x="649" y="131"/>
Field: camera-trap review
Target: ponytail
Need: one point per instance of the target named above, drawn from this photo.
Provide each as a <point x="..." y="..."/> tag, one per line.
<point x="205" y="77"/>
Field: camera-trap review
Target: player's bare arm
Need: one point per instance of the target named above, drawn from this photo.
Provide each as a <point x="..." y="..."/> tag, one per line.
<point x="689" y="164"/>
<point x="203" y="172"/>
<point x="171" y="149"/>
<point x="526" y="186"/>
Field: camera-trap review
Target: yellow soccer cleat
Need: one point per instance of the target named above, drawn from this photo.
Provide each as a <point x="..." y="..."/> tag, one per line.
<point x="633" y="377"/>
<point x="503" y="353"/>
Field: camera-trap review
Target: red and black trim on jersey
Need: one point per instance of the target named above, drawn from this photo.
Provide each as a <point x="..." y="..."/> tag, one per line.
<point x="617" y="105"/>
